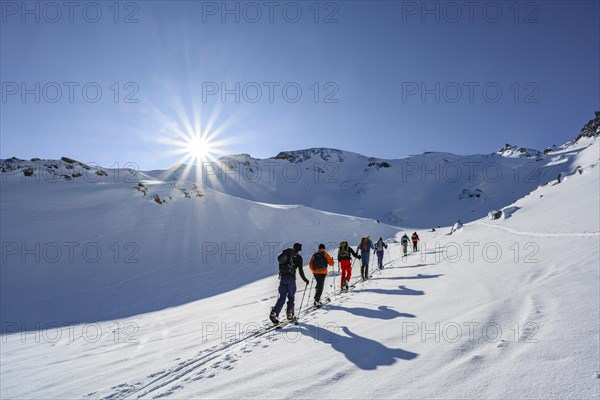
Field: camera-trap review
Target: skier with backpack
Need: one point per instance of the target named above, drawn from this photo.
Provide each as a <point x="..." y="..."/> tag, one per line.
<point x="404" y="242"/>
<point x="318" y="264"/>
<point x="365" y="246"/>
<point x="289" y="261"/>
<point x="344" y="254"/>
<point x="379" y="246"/>
<point x="415" y="240"/>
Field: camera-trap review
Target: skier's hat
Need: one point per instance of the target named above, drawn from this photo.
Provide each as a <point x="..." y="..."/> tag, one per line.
<point x="322" y="246"/>
<point x="297" y="246"/>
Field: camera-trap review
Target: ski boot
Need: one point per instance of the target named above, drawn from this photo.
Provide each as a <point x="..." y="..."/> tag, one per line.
<point x="273" y="317"/>
<point x="291" y="316"/>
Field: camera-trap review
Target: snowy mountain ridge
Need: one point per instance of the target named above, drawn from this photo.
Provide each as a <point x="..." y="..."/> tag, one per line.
<point x="337" y="181"/>
<point x="412" y="191"/>
<point x="64" y="169"/>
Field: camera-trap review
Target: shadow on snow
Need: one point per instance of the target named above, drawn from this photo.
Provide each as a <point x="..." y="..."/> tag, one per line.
<point x="418" y="276"/>
<point x="409" y="266"/>
<point x="382" y="312"/>
<point x="403" y="290"/>
<point x="365" y="353"/>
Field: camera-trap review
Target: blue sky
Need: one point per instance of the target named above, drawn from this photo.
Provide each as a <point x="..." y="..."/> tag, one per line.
<point x="381" y="78"/>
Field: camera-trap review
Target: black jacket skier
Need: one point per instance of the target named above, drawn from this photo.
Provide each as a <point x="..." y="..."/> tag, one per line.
<point x="287" y="281"/>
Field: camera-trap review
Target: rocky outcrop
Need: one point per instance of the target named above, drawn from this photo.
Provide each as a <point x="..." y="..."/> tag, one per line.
<point x="591" y="129"/>
<point x="472" y="194"/>
<point x="298" y="156"/>
<point x="375" y="163"/>
<point x="515" y="151"/>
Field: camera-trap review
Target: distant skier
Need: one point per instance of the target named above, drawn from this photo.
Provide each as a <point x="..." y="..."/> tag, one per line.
<point x="415" y="239"/>
<point x="456" y="227"/>
<point x="344" y="254"/>
<point x="318" y="264"/>
<point x="289" y="261"/>
<point x="379" y="246"/>
<point x="365" y="246"/>
<point x="404" y="242"/>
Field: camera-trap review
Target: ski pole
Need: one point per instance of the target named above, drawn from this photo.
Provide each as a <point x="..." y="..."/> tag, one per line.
<point x="310" y="290"/>
<point x="333" y="277"/>
<point x="302" y="301"/>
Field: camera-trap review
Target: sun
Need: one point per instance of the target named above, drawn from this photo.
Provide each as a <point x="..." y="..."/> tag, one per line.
<point x="196" y="142"/>
<point x="199" y="147"/>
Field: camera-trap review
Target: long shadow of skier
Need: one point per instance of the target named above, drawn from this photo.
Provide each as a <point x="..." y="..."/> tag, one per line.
<point x="403" y="290"/>
<point x="409" y="266"/>
<point x="365" y="353"/>
<point x="418" y="276"/>
<point x="441" y="250"/>
<point x="382" y="312"/>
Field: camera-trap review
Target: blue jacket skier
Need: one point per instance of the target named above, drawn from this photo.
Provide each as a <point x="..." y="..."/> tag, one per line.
<point x="289" y="261"/>
<point x="379" y="246"/>
<point x="365" y="246"/>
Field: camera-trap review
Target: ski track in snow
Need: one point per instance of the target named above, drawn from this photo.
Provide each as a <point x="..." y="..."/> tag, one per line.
<point x="539" y="234"/>
<point x="211" y="361"/>
<point x="223" y="357"/>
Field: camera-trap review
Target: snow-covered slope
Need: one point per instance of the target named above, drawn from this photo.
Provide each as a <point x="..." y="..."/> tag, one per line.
<point x="422" y="191"/>
<point x="503" y="308"/>
<point x="122" y="284"/>
<point x="83" y="244"/>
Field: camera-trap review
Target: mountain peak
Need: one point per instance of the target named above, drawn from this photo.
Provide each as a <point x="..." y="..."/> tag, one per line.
<point x="325" y="154"/>
<point x="511" y="151"/>
<point x="50" y="170"/>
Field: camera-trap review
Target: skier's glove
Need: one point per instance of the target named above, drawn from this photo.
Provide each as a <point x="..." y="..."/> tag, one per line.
<point x="306" y="281"/>
<point x="359" y="257"/>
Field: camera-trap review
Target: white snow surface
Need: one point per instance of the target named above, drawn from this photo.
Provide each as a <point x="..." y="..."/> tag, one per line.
<point x="505" y="308"/>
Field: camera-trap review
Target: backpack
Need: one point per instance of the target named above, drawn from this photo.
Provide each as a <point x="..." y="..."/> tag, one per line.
<point x="404" y="240"/>
<point x="319" y="261"/>
<point x="286" y="264"/>
<point x="363" y="244"/>
<point x="343" y="251"/>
